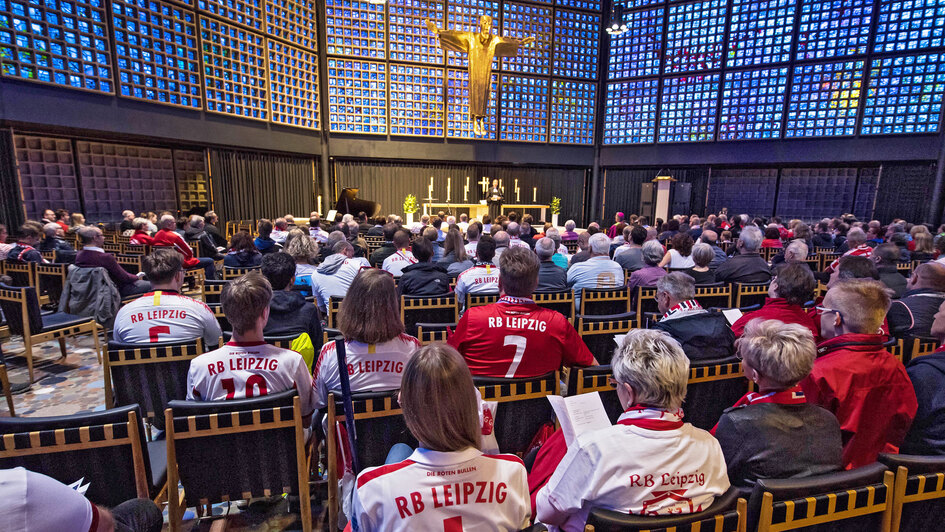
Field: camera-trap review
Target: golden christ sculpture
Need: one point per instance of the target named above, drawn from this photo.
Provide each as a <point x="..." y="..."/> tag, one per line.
<point x="482" y="47"/>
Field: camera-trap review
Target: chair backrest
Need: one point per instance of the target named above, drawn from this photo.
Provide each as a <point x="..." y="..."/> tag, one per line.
<point x="713" y="386"/>
<point x="112" y="247"/>
<point x="604" y="301"/>
<point x="827" y="257"/>
<point x="218" y="313"/>
<point x="150" y="375"/>
<point x="427" y="309"/>
<point x="213" y="290"/>
<point x="105" y="448"/>
<point x="813" y="262"/>
<point x="747" y="294"/>
<point x="194" y="247"/>
<point x="379" y="421"/>
<point x="905" y="267"/>
<point x="768" y="253"/>
<point x="481" y="299"/>
<point x="714" y="295"/>
<point x="49" y="255"/>
<point x="429" y="333"/>
<point x="334" y="305"/>
<point x="919" y="493"/>
<point x="558" y="300"/>
<point x="855" y="500"/>
<point x="645" y="302"/>
<point x="22" y="273"/>
<point x="329" y="334"/>
<point x="896" y="348"/>
<point x="921" y="346"/>
<point x="598" y="333"/>
<point x="135" y="249"/>
<point x="727" y="513"/>
<point x="522" y="408"/>
<point x="230" y="273"/>
<point x="52" y="277"/>
<point x="571" y="246"/>
<point x="20" y="307"/>
<point x="131" y="263"/>
<point x="594" y="379"/>
<point x="204" y="440"/>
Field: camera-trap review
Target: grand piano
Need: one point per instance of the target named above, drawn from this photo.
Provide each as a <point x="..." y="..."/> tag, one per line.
<point x="349" y="203"/>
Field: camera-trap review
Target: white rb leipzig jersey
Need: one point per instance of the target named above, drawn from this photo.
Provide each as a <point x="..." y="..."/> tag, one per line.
<point x="462" y="491"/>
<point x="476" y="280"/>
<point x="166" y="317"/>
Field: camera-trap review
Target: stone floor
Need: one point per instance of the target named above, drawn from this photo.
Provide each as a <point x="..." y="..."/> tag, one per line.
<point x="75" y="384"/>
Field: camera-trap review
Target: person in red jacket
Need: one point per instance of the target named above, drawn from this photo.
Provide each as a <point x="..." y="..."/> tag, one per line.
<point x="856" y="378"/>
<point x="168" y="238"/>
<point x="787" y="294"/>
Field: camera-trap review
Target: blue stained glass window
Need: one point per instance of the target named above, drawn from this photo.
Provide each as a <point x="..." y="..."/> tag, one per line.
<point x="416" y="101"/>
<point x="356" y="29"/>
<point x="410" y="40"/>
<point x="753" y="104"/>
<point x="695" y="35"/>
<point x="637" y="52"/>
<point x="824" y="99"/>
<point x="572" y="112"/>
<point x="630" y="112"/>
<point x="830" y="28"/>
<point x="904" y="95"/>
<point x="293" y="83"/>
<point x="910" y="25"/>
<point x="576" y="44"/>
<point x="463" y="15"/>
<point x="688" y="109"/>
<point x="357" y="96"/>
<point x="524" y="109"/>
<point x="760" y="32"/>
<point x="457" y="106"/>
<point x="521" y="21"/>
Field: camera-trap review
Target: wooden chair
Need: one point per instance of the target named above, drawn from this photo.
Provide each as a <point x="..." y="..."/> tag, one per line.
<point x="218" y="313"/>
<point x="823" y="251"/>
<point x="21" y="308"/>
<point x="645" y="301"/>
<point x="713" y="386"/>
<point x="203" y="439"/>
<point x="558" y="300"/>
<point x="51" y="278"/>
<point x="727" y="513"/>
<point x="380" y="424"/>
<point x="427" y="309"/>
<point x="230" y="273"/>
<point x="429" y="333"/>
<point x="107" y="449"/>
<point x="604" y="301"/>
<point x="134" y="249"/>
<point x="919" y="494"/>
<point x="113" y="247"/>
<point x="598" y="332"/>
<point x="194" y="247"/>
<point x="827" y="258"/>
<point x="213" y="290"/>
<point x="328" y="335"/>
<point x="150" y="375"/>
<point x="595" y="379"/>
<point x="480" y="299"/>
<point x="5" y="383"/>
<point x="24" y="274"/>
<point x="854" y="501"/>
<point x="813" y="262"/>
<point x="130" y="262"/>
<point x="896" y="347"/>
<point x="768" y="253"/>
<point x="747" y="294"/>
<point x="921" y="346"/>
<point x="334" y="305"/>
<point x="523" y="408"/>
<point x="49" y="256"/>
<point x="905" y="267"/>
<point x="571" y="246"/>
<point x="714" y="295"/>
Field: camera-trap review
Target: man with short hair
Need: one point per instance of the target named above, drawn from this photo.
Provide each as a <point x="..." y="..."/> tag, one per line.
<point x="629" y="255"/>
<point x="164" y="314"/>
<point x="516" y="338"/>
<point x="703" y="335"/>
<point x="387" y="248"/>
<point x="550" y="275"/>
<point x="52" y="242"/>
<point x="912" y="315"/>
<point x="483" y="277"/>
<point x="424" y="277"/>
<point x="560" y="258"/>
<point x="126" y="221"/>
<point x="25" y="248"/>
<point x="263" y="242"/>
<point x="211" y="219"/>
<point x="856" y="240"/>
<point x="794" y="253"/>
<point x="747" y="266"/>
<point x="289" y="312"/>
<point x="711" y="238"/>
<point x="167" y="237"/>
<point x="855" y="378"/>
<point x="400" y="257"/>
<point x="472" y="237"/>
<point x="315" y="230"/>
<point x="502" y="242"/>
<point x="378" y="228"/>
<point x="62" y="218"/>
<point x="886" y="257"/>
<point x="463" y="223"/>
<point x="598" y="271"/>
<point x="354" y="238"/>
<point x="93" y="255"/>
<point x="196" y="231"/>
<point x="49" y="216"/>
<point x="363" y="225"/>
<point x="280" y="230"/>
<point x="515" y="230"/>
<point x="334" y="276"/>
<point x="247" y="366"/>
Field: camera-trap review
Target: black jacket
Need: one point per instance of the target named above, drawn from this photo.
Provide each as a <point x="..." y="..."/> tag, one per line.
<point x="893" y="280"/>
<point x="377" y="230"/>
<point x="218" y="239"/>
<point x="551" y="276"/>
<point x="746" y="268"/>
<point x="55" y="244"/>
<point x="242" y="259"/>
<point x="424" y="279"/>
<point x="386" y="250"/>
<point x="914" y="313"/>
<point x="291" y="314"/>
<point x="204" y="241"/>
<point x="821" y="240"/>
<point x="703" y="336"/>
<point x="927" y="434"/>
<point x="767" y="440"/>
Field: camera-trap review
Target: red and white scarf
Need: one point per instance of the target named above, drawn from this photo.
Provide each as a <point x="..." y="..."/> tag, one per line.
<point x="512" y="300"/>
<point x="648" y="417"/>
<point x="681" y="308"/>
<point x="791" y="396"/>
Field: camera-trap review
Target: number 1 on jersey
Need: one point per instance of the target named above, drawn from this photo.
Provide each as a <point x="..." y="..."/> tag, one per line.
<point x="519" y="343"/>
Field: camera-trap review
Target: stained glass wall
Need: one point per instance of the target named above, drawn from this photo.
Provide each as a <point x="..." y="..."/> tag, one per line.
<point x="259" y="60"/>
<point x="723" y="70"/>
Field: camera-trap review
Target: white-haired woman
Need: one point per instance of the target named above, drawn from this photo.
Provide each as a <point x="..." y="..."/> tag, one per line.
<point x="651" y="272"/>
<point x="649" y="452"/>
<point x="569" y="233"/>
<point x="774" y="432"/>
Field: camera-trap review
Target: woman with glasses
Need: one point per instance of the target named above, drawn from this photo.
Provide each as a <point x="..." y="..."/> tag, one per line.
<point x="773" y="432"/>
<point x="787" y="294"/>
<point x="447" y="483"/>
<point x="631" y="466"/>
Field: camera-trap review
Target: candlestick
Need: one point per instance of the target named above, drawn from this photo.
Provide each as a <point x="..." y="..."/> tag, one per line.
<point x="449" y="183"/>
<point x="466" y="193"/>
<point x="485" y="184"/>
<point x="534" y="194"/>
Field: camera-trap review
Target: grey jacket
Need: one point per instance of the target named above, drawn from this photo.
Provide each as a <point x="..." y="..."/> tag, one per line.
<point x="90" y="292"/>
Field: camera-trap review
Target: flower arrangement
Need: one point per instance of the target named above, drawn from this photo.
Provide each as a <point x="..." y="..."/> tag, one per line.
<point x="410" y="204"/>
<point x="555" y="205"/>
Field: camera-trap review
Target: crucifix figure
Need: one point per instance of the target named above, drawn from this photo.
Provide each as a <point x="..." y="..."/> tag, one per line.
<point x="482" y="47"/>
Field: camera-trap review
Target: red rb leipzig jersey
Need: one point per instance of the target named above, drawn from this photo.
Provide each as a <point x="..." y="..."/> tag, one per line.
<point x="517" y="338"/>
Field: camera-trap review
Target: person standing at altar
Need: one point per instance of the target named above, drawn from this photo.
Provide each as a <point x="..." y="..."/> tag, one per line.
<point x="494" y="199"/>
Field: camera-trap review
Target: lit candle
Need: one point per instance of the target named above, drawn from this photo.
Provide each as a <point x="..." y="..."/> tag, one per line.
<point x="518" y="198"/>
<point x="534" y="194"/>
<point x="466" y="191"/>
<point x="485" y="184"/>
<point x="449" y="184"/>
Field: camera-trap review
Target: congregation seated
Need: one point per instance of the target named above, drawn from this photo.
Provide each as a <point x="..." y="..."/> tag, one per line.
<point x="376" y="346"/>
<point x="167" y="237"/>
<point x="378" y="228"/>
<point x="926" y="436"/>
<point x="680" y="256"/>
<point x="165" y="315"/>
<point x="401" y="257"/>
<point x="670" y="229"/>
<point x="855" y="378"/>
<point x="924" y="249"/>
<point x="387" y="248"/>
<point x="608" y="468"/>
<point x="703" y="335"/>
<point x="711" y="238"/>
<point x="483" y="277"/>
<point x="788" y="292"/>
<point x="196" y="231"/>
<point x="76" y="222"/>
<point x="247" y="366"/>
<point x="629" y="255"/>
<point x="424" y="278"/>
<point x="33" y="501"/>
<point x="52" y="241"/>
<point x="598" y="271"/>
<point x="289" y="312"/>
<point x="502" y="241"/>
<point x="211" y="219"/>
<point x="25" y="248"/>
<point x="794" y="253"/>
<point x="773" y="432"/>
<point x="454" y="259"/>
<point x="515" y="337"/>
<point x="701" y="271"/>
<point x="303" y="251"/>
<point x="264" y="241"/>
<point x="354" y="238"/>
<point x="913" y="313"/>
<point x="242" y="252"/>
<point x="746" y="266"/>
<point x="550" y="275"/>
<point x="141" y="236"/>
<point x="93" y="256"/>
<point x="854" y="245"/>
<point x="280" y="230"/>
<point x="336" y="273"/>
<point x="651" y="272"/>
<point x="515" y="231"/>
<point x="440" y="410"/>
<point x="772" y="237"/>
